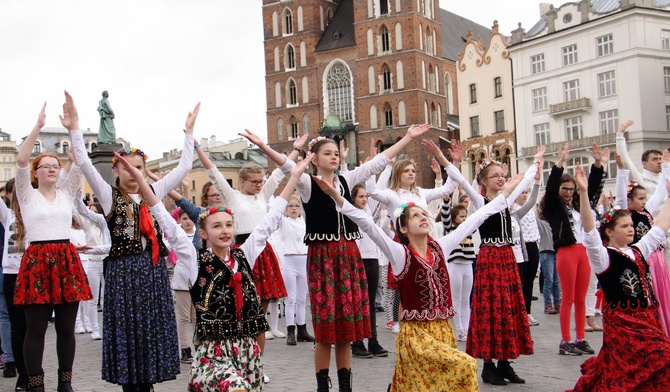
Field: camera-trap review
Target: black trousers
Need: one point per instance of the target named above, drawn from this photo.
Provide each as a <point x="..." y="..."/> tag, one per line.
<point x="372" y="275"/>
<point x="527" y="273"/>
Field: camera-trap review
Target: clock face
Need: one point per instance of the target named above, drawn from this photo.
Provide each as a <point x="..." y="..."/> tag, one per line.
<point x="567" y="18"/>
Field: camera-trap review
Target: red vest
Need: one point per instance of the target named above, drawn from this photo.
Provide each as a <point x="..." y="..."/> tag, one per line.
<point x="425" y="292"/>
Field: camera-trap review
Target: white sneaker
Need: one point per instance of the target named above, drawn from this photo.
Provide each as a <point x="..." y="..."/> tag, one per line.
<point x="269" y="335"/>
<point x="95" y="335"/>
<point x="462" y="337"/>
<point x="88" y="329"/>
<point x="79" y="329"/>
<point x="278" y="334"/>
<point x="532" y="321"/>
<point x="266" y="379"/>
<point x="396" y="328"/>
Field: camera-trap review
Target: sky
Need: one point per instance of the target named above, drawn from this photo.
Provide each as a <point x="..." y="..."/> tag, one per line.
<point x="157" y="59"/>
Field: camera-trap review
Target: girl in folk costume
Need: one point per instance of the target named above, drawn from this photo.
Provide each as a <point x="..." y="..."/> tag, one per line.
<point x="632" y="196"/>
<point x="338" y="288"/>
<point x="51" y="277"/>
<point x="427" y="356"/>
<point x="634" y="355"/>
<point x="498" y="323"/>
<point x="137" y="289"/>
<point x="229" y="315"/>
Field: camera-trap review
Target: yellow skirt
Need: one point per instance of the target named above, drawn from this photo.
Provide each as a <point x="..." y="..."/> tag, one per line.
<point x="427" y="359"/>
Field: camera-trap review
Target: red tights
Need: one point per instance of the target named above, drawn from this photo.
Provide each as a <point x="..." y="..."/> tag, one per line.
<point x="574" y="272"/>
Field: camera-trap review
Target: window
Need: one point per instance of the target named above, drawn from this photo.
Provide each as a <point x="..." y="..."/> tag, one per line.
<point x="402" y="117"/>
<point x="474" y="125"/>
<point x="571" y="163"/>
<point x="192" y="185"/>
<point x="546" y="170"/>
<point x="388" y="116"/>
<point x="305" y="124"/>
<point x="604" y="45"/>
<point x="569" y="55"/>
<point x="288" y="21"/>
<point x="386" y="78"/>
<point x="499" y="118"/>
<point x="289" y="57"/>
<point x="292" y="93"/>
<point x="373" y="117"/>
<point x="280" y="129"/>
<point x="573" y="128"/>
<point x="433" y="115"/>
<point x="539" y="99"/>
<point x="606" y="84"/>
<point x="66" y="147"/>
<point x="386" y="43"/>
<point x="497" y="87"/>
<point x="571" y="90"/>
<point x="666" y="78"/>
<point x="665" y="39"/>
<point x="37" y="149"/>
<point x="542" y="134"/>
<point x="294" y="129"/>
<point x="338" y="82"/>
<point x="473" y="93"/>
<point x="667" y="118"/>
<point x="383" y="7"/>
<point x="609" y="121"/>
<point x="537" y="63"/>
<point x="7" y="173"/>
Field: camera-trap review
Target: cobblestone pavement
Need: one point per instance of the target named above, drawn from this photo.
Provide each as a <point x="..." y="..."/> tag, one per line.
<point x="291" y="368"/>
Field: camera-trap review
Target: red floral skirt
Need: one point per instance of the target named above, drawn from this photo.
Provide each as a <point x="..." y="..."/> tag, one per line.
<point x="267" y="275"/>
<point x="338" y="292"/>
<point x="499" y="326"/>
<point x="51" y="273"/>
<point x="634" y="355"/>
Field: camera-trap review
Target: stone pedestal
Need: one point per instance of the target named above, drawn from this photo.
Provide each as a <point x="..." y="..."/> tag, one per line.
<point x="102" y="160"/>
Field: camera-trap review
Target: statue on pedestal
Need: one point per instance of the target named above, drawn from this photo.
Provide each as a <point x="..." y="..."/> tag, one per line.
<point x="107" y="132"/>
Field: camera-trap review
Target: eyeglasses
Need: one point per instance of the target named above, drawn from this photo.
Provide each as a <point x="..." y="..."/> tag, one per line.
<point x="214" y="195"/>
<point x="49" y="167"/>
<point x="564" y="189"/>
<point x="255" y="182"/>
<point x="293" y="206"/>
<point x="496" y="176"/>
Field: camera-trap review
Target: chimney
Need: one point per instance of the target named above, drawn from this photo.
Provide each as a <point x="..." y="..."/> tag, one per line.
<point x="544" y="8"/>
<point x="203" y="142"/>
<point x="212" y="141"/>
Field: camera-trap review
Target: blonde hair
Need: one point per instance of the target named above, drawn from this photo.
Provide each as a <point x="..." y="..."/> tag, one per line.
<point x="396" y="174"/>
<point x="249" y="168"/>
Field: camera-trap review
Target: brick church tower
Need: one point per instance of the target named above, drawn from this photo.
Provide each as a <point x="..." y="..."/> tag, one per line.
<point x="375" y="64"/>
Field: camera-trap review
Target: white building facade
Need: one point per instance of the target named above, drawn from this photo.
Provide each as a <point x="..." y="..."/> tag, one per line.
<point x="584" y="68"/>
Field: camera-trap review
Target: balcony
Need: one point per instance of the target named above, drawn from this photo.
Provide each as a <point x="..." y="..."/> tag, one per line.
<point x="581" y="104"/>
<point x="584" y="143"/>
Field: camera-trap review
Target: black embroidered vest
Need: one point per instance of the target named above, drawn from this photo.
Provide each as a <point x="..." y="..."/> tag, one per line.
<point x="125" y="233"/>
<point x="627" y="282"/>
<point x="323" y="222"/>
<point x="215" y="303"/>
<point x="425" y="291"/>
<point x="497" y="229"/>
<point x="642" y="223"/>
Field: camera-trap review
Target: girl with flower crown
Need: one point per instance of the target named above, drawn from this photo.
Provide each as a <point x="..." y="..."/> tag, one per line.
<point x="337" y="283"/>
<point x="427" y="357"/>
<point x="634" y="355"/>
<point x="137" y="289"/>
<point x="632" y="196"/>
<point x="498" y="323"/>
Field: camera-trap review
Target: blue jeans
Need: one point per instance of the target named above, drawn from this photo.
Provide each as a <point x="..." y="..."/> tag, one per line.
<point x="5" y="329"/>
<point x="551" y="283"/>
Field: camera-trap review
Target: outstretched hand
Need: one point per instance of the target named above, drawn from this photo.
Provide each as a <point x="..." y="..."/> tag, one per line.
<point x="456" y="150"/>
<point x="301" y="166"/>
<point x="70" y="118"/>
<point x="344" y="150"/>
<point x="564" y="152"/>
<point x="190" y="120"/>
<point x="299" y="142"/>
<point x="624" y="126"/>
<point x="134" y="172"/>
<point x="666" y="157"/>
<point x="154" y="176"/>
<point x="252" y="137"/>
<point x="619" y="160"/>
<point x="580" y="178"/>
<point x="42" y="117"/>
<point x="329" y="189"/>
<point x="511" y="184"/>
<point x="435" y="167"/>
<point x="539" y="156"/>
<point x="415" y="131"/>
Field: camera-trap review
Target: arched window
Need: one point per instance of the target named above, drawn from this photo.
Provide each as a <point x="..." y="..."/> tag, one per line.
<point x="338" y="90"/>
<point x="277" y="60"/>
<point x="305" y="124"/>
<point x="439" y="115"/>
<point x="371" y="80"/>
<point x="429" y="41"/>
<point x="398" y="36"/>
<point x="280" y="129"/>
<point x="275" y="24"/>
<point x="433" y="115"/>
<point x="386" y="78"/>
<point x="322" y="24"/>
<point x="397" y="5"/>
<point x="277" y="95"/>
<point x="400" y="75"/>
<point x="294" y="129"/>
<point x="431" y="78"/>
<point x="448" y="93"/>
<point x="373" y="117"/>
<point x="330" y="16"/>
<point x="371" y="9"/>
<point x="303" y="54"/>
<point x="402" y="117"/>
<point x="287" y="18"/>
<point x="426" y="114"/>
<point x="388" y="116"/>
<point x="385" y="43"/>
<point x="37" y="148"/>
<point x="289" y="57"/>
<point x="291" y="93"/>
<point x="300" y="22"/>
<point x="66" y="147"/>
<point x="420" y="36"/>
<point x="305" y="90"/>
<point x="371" y="43"/>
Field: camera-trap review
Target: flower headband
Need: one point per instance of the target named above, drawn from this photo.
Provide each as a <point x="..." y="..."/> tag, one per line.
<point x="212" y="210"/>
<point x="609" y="215"/>
<point x="632" y="185"/>
<point x="314" y="141"/>
<point x="484" y="164"/>
<point x="398" y="211"/>
<point x="127" y="151"/>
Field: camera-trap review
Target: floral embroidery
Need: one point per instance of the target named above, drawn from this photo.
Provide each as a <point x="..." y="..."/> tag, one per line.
<point x="202" y="282"/>
<point x="631" y="282"/>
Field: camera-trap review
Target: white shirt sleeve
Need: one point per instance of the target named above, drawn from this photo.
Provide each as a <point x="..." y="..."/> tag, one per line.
<point x="304" y="185"/>
<point x="366" y="170"/>
<point x="179" y="242"/>
<point x="661" y="190"/>
<point x="621" y="195"/>
<point x="257" y="240"/>
<point x="651" y="241"/>
<point x="163" y="186"/>
<point x="220" y="183"/>
<point x="596" y="251"/>
<point x="527" y="178"/>
<point x="271" y="184"/>
<point x="102" y="190"/>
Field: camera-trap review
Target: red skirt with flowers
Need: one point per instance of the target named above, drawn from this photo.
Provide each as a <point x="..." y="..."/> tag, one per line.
<point x="267" y="275"/>
<point x="338" y="292"/>
<point x="51" y="273"/>
<point x="634" y="355"/>
<point x="499" y="326"/>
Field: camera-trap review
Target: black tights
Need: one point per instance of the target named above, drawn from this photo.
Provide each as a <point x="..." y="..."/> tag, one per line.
<point x="18" y="322"/>
<point x="37" y="320"/>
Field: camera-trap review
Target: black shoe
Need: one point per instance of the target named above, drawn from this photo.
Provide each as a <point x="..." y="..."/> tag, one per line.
<point x="380" y="309"/>
<point x="10" y="370"/>
<point x="584" y="347"/>
<point x="290" y="335"/>
<point x="375" y="349"/>
<point x="303" y="335"/>
<point x="21" y="383"/>
<point x="568" y="348"/>
<point x="534" y="298"/>
<point x="323" y="383"/>
<point x="491" y="376"/>
<point x="508" y="373"/>
<point x="358" y="350"/>
<point x="186" y="356"/>
<point x="344" y="380"/>
<point x="64" y="381"/>
<point x="145" y="388"/>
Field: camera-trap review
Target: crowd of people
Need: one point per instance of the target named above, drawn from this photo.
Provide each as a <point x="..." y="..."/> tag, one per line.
<point x="453" y="263"/>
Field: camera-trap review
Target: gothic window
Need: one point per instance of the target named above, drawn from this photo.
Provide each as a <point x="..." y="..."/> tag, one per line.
<point x="386" y="44"/>
<point x="386" y="78"/>
<point x="289" y="57"/>
<point x="338" y="84"/>
<point x="388" y="116"/>
<point x="287" y="18"/>
<point x="294" y="129"/>
<point x="291" y="93"/>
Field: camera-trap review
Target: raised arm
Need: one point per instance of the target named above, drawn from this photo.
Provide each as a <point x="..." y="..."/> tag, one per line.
<point x="530" y="203"/>
<point x="187" y="264"/>
<point x="622" y="149"/>
<point x="26" y="148"/>
<point x="621" y="187"/>
<point x="660" y="193"/>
